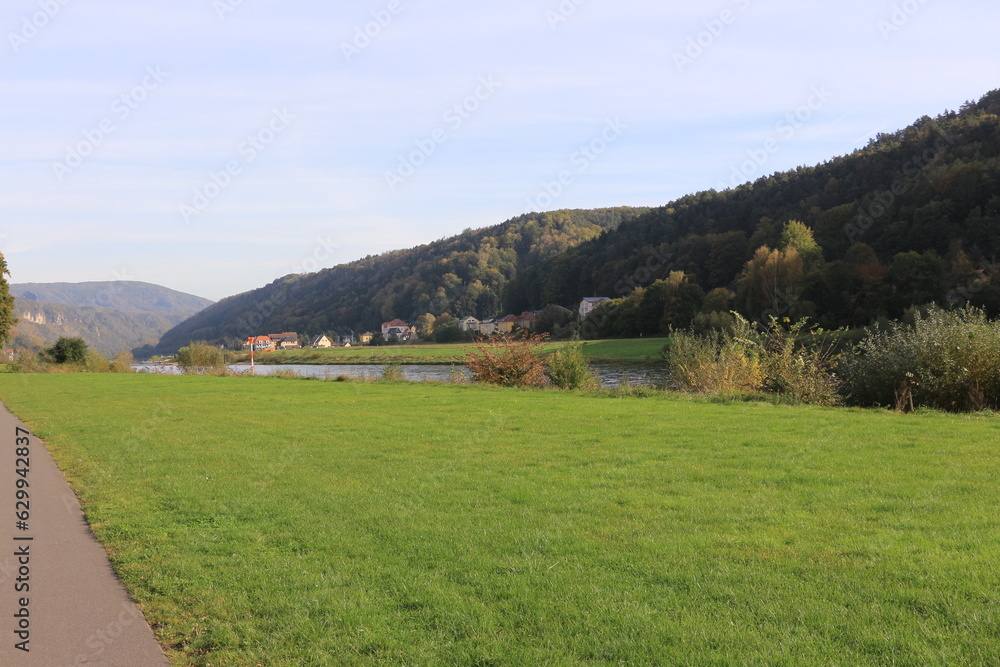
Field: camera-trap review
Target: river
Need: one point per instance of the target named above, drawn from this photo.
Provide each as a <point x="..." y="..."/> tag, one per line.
<point x="609" y="375"/>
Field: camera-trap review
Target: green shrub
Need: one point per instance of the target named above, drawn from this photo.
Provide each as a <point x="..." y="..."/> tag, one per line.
<point x="392" y="372"/>
<point x="66" y="351"/>
<point x="715" y="362"/>
<point x="568" y="368"/>
<point x="799" y="363"/>
<point x="949" y="360"/>
<point x="201" y="357"/>
<point x="785" y="359"/>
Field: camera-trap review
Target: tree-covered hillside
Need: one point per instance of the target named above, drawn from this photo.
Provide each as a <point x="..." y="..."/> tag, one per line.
<point x="912" y="218"/>
<point x="107" y="330"/>
<point x="122" y="295"/>
<point x="461" y="275"/>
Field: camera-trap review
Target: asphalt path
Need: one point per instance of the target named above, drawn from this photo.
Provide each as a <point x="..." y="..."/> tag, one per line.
<point x="60" y="602"/>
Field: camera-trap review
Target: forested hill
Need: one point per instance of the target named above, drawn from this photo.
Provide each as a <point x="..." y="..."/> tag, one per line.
<point x="463" y="275"/>
<point x="125" y="296"/>
<point x="913" y="217"/>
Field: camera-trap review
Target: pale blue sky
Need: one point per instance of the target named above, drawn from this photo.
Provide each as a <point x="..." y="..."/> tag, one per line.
<point x="162" y="95"/>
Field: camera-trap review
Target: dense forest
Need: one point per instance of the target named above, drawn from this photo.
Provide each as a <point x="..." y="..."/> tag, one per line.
<point x="911" y="219"/>
<point x="461" y="275"/>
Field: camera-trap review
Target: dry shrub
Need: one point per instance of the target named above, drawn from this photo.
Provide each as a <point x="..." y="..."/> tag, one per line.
<point x="509" y="361"/>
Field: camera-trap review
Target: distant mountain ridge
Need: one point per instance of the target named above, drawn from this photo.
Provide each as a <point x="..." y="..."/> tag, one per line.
<point x="128" y="296"/>
<point x="111" y="317"/>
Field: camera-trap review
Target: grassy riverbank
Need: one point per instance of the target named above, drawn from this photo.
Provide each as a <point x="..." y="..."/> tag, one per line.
<point x="291" y="522"/>
<point x="630" y="351"/>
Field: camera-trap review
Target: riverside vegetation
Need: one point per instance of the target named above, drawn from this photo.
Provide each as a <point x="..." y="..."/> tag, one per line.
<point x="287" y="522"/>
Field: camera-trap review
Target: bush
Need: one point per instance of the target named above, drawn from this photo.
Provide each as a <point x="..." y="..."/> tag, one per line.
<point x="509" y="361"/>
<point x="716" y="362"/>
<point x="66" y="351"/>
<point x="568" y="367"/>
<point x="96" y="363"/>
<point x="785" y="359"/>
<point x="122" y="363"/>
<point x="945" y="360"/>
<point x="798" y="363"/>
<point x="392" y="372"/>
<point x="200" y="357"/>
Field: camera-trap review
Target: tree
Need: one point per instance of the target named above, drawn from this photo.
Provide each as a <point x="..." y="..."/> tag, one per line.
<point x="67" y="351"/>
<point x="7" y="319"/>
<point x="425" y="326"/>
<point x="771" y="283"/>
<point x="797" y="235"/>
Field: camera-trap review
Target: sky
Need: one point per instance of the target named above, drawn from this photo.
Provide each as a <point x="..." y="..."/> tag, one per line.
<point x="212" y="146"/>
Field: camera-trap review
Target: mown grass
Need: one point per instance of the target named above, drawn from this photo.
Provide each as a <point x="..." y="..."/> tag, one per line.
<point x="639" y="350"/>
<point x="294" y="522"/>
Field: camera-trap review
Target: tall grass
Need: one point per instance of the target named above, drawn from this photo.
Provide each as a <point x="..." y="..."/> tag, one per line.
<point x="782" y="359"/>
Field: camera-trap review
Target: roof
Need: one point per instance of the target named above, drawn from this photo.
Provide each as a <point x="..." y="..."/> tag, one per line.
<point x="510" y="318"/>
<point x="596" y="299"/>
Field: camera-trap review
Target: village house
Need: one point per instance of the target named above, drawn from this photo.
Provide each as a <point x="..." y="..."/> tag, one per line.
<point x="488" y="327"/>
<point x="366" y="338"/>
<point x="398" y="329"/>
<point x="260" y="344"/>
<point x="526" y="320"/>
<point x="506" y="324"/>
<point x="588" y="305"/>
<point x="286" y="341"/>
<point x="469" y="324"/>
<point x="321" y="342"/>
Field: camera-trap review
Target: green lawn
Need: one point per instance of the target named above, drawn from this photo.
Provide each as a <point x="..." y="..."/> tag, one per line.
<point x="639" y="350"/>
<point x="292" y="522"/>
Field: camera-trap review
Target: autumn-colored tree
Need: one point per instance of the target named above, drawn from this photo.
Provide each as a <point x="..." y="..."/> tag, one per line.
<point x="771" y="283"/>
<point x="425" y="325"/>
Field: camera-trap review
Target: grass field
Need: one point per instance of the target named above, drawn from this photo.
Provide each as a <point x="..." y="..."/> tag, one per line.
<point x="293" y="522"/>
<point x="638" y="350"/>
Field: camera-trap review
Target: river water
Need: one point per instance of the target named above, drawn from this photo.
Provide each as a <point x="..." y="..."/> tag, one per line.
<point x="609" y="375"/>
